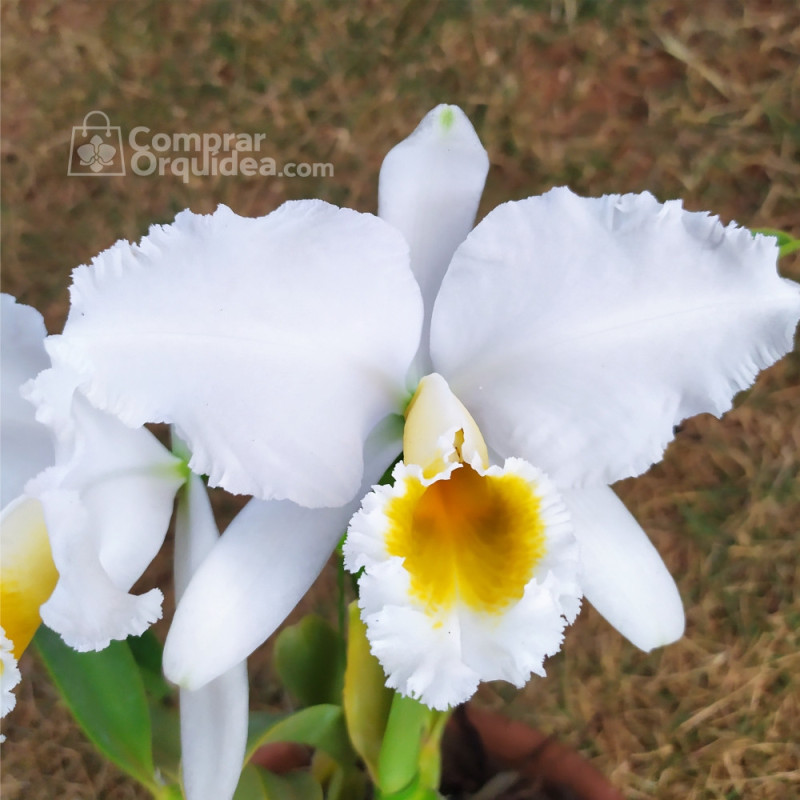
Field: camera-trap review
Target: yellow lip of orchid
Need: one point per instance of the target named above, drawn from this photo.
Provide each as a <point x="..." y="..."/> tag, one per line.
<point x="470" y="537"/>
<point x="466" y="535"/>
<point x="27" y="578"/>
<point x="477" y="562"/>
<point x="27" y="572"/>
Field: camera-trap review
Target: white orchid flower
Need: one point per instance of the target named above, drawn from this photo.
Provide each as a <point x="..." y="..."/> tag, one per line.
<point x="91" y="502"/>
<point x="577" y="333"/>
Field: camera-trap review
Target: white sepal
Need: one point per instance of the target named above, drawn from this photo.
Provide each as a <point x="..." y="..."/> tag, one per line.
<point x="579" y="331"/>
<point x="622" y="574"/>
<point x="213" y="718"/>
<point x="195" y="532"/>
<point x="430" y="186"/>
<point x="252" y="336"/>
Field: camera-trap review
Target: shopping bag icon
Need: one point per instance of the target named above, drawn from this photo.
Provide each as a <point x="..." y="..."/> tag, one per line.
<point x="96" y="149"/>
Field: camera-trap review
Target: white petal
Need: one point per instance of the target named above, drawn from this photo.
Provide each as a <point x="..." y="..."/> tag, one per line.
<point x="9" y="674"/>
<point x="214" y="718"/>
<point x="127" y="482"/>
<point x="430" y="187"/>
<point x="262" y="566"/>
<point x="51" y="393"/>
<point x="274" y="345"/>
<point x="578" y="332"/>
<point x="421" y="660"/>
<point x="622" y="574"/>
<point x="25" y="446"/>
<point x="442" y="664"/>
<point x="107" y="505"/>
<point x="86" y="607"/>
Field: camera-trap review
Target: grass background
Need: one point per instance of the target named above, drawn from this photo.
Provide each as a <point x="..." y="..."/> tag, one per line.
<point x="699" y="101"/>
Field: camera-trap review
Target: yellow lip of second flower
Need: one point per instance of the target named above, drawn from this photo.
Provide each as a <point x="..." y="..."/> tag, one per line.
<point x="27" y="573"/>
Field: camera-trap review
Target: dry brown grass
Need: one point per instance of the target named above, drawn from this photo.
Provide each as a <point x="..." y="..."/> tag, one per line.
<point x="700" y="101"/>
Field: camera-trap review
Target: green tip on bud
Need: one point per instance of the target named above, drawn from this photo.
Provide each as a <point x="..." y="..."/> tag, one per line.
<point x="447" y="118"/>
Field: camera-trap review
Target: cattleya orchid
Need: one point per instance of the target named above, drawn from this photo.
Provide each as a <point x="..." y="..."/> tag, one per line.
<point x="537" y="359"/>
<point x="577" y="333"/>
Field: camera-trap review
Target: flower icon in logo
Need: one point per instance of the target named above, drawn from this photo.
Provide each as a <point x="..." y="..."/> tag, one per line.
<point x="96" y="154"/>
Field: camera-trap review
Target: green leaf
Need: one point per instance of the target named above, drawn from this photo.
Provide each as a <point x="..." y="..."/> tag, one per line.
<point x="105" y="693"/>
<point x="147" y="651"/>
<point x="414" y="791"/>
<point x="789" y="247"/>
<point x="258" y="723"/>
<point x="367" y="701"/>
<point x="338" y="783"/>
<point x="398" y="767"/>
<point x="320" y="726"/>
<point x="250" y="786"/>
<point x="297" y="785"/>
<point x="309" y="658"/>
<point x="162" y="698"/>
<point x="166" y="731"/>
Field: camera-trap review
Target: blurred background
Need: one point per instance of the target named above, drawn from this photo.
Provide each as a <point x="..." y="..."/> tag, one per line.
<point x="693" y="100"/>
